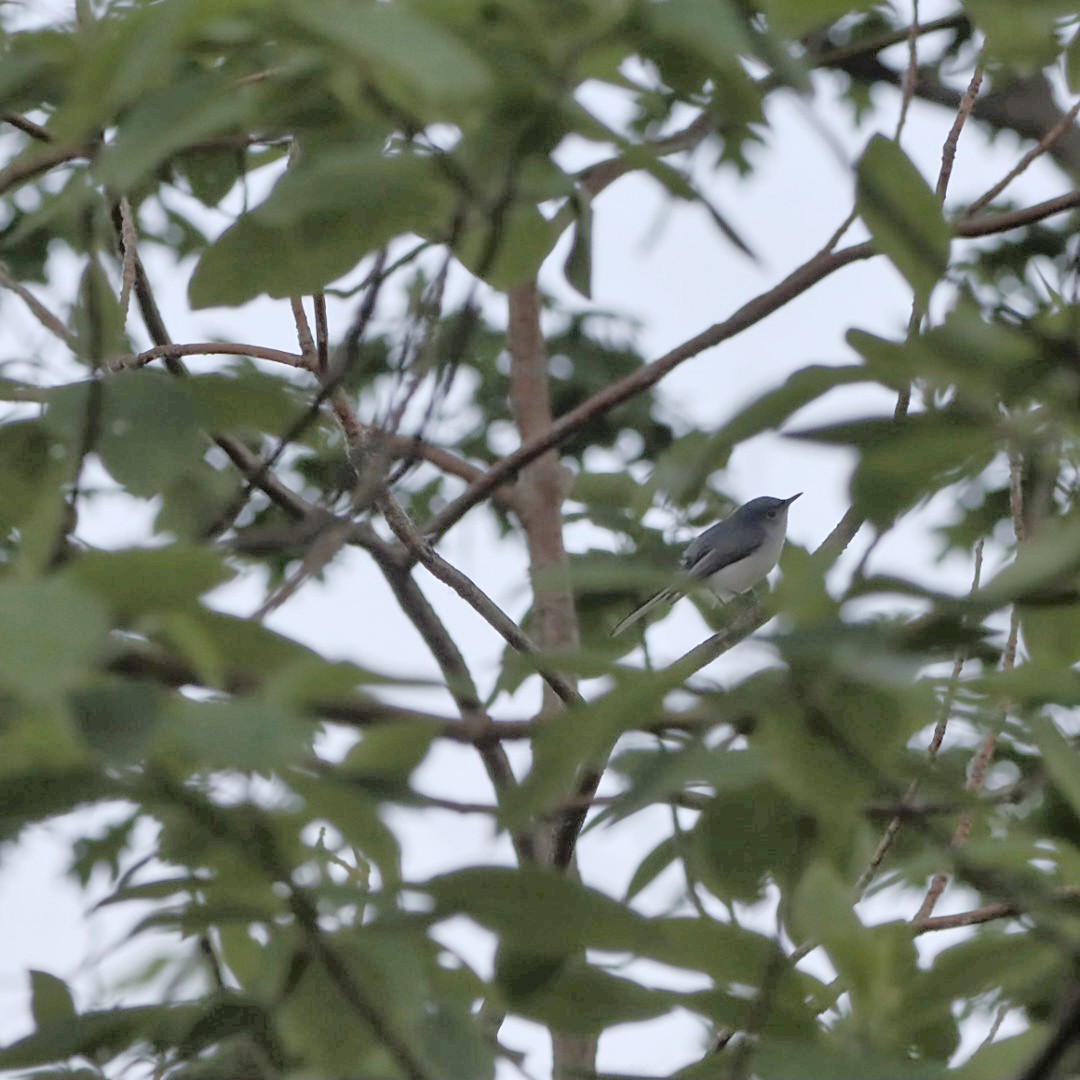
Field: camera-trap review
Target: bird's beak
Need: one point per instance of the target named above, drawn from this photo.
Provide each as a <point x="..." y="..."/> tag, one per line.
<point x="788" y="502"/>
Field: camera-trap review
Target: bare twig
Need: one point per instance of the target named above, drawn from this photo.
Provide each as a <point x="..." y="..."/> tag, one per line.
<point x="53" y="154"/>
<point x="911" y="74"/>
<point x="1053" y="136"/>
<point x="948" y="151"/>
<point x="988" y="913"/>
<point x="35" y="131"/>
<point x="129" y="247"/>
<point x="889" y="836"/>
<point x="303" y="331"/>
<point x="1015" y="219"/>
<point x="37" y="309"/>
<point x="474" y="596"/>
<point x="210" y="348"/>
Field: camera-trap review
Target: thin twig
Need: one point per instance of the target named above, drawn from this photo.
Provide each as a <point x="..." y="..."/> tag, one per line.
<point x="129" y="247"/>
<point x="210" y="348"/>
<point x="948" y="151"/>
<point x="889" y="836"/>
<point x="911" y="74"/>
<point x="35" y="131"/>
<point x="1015" y="219"/>
<point x="26" y="168"/>
<point x="474" y="596"/>
<point x="37" y="309"/>
<point x="303" y="331"/>
<point x="1047" y="142"/>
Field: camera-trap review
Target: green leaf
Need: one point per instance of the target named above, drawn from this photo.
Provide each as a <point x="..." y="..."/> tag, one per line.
<point x="770" y="410"/>
<point x="1024" y="36"/>
<point x="260" y="736"/>
<point x="139" y="581"/>
<point x="744" y="837"/>
<point x="28" y="471"/>
<point x="101" y="1035"/>
<point x="907" y="459"/>
<point x="97" y="320"/>
<point x="577" y="998"/>
<point x="390" y="753"/>
<point x="187" y="111"/>
<point x="119" y="718"/>
<point x="50" y="999"/>
<point x="1060" y="759"/>
<point x="822" y="912"/>
<point x="786" y="1059"/>
<point x="543" y="914"/>
<point x="578" y="267"/>
<point x="903" y="215"/>
<point x="657" y="775"/>
<point x="51" y="634"/>
<point x="1072" y="63"/>
<point x="652" y="866"/>
<point x="412" y="54"/>
<point x="506" y="251"/>
<point x="796" y="18"/>
<point x="147" y="430"/>
<point x="245" y="402"/>
<point x="1006" y="1057"/>
<point x="321" y="218"/>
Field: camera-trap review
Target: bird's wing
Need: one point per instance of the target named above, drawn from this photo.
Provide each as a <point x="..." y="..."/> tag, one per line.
<point x="716" y="548"/>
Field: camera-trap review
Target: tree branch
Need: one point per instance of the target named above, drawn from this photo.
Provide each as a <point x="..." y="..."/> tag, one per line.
<point x="474" y="596"/>
<point x="796" y="283"/>
<point x="210" y="348"/>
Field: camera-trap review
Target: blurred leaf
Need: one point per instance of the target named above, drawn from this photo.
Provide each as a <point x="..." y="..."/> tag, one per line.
<point x="246" y="401"/>
<point x="578" y="267"/>
<point x="321" y="218"/>
<point x="653" y="865"/>
<point x="903" y="214"/>
<point x="186" y="111"/>
<point x="389" y="754"/>
<point x="905" y="460"/>
<point x="411" y="53"/>
<point x="744" y="837"/>
<point x="136" y="581"/>
<point x="796" y="18"/>
<point x="507" y="250"/>
<point x="99" y="1035"/>
<point x="780" y="1059"/>
<point x="146" y="432"/>
<point x="1005" y="1057"/>
<point x="50" y="999"/>
<point x="118" y="718"/>
<point x="51" y="634"/>
<point x="770" y="410"/>
<point x="260" y="736"/>
<point x="1024" y="38"/>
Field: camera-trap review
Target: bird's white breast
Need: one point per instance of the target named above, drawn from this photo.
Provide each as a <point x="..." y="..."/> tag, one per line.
<point x="741" y="576"/>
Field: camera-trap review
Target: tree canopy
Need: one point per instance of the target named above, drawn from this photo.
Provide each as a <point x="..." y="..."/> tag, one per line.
<point x="395" y="175"/>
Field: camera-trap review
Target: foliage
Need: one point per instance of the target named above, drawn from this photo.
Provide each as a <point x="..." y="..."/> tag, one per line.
<point x="399" y="145"/>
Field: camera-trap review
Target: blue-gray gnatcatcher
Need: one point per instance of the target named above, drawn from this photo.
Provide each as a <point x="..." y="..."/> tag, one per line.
<point x="731" y="557"/>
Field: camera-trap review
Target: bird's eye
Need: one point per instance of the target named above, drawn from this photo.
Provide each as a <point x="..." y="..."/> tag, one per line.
<point x="772" y="513"/>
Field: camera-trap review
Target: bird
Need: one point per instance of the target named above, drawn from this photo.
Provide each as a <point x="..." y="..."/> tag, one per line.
<point x="730" y="558"/>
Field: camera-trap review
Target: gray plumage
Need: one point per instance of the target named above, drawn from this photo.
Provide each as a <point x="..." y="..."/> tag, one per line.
<point x="731" y="557"/>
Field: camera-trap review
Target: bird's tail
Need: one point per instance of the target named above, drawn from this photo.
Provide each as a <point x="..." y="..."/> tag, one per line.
<point x="665" y="596"/>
